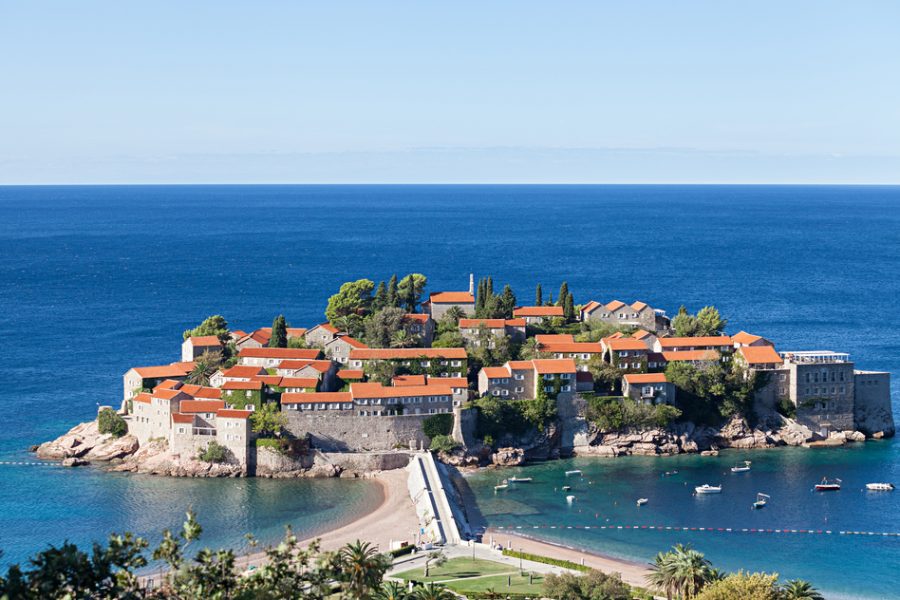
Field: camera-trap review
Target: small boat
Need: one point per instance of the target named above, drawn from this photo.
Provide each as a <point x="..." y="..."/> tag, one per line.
<point x="744" y="469"/>
<point x="642" y="501"/>
<point x="708" y="489"/>
<point x="760" y="500"/>
<point x="573" y="472"/>
<point x="570" y="499"/>
<point x="566" y="488"/>
<point x="828" y="485"/>
<point x="880" y="487"/>
<point x="502" y="486"/>
<point x="668" y="473"/>
<point x="520" y="479"/>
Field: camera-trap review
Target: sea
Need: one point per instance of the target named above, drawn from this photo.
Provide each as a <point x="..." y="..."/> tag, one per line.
<point x="96" y="279"/>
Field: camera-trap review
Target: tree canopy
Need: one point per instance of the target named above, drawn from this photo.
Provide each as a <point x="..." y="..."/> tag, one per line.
<point x="215" y="325"/>
<point x="707" y="322"/>
<point x="353" y="299"/>
<point x="410" y="290"/>
<point x="279" y="333"/>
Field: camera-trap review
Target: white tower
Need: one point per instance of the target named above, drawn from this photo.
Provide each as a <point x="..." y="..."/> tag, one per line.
<point x="471" y="283"/>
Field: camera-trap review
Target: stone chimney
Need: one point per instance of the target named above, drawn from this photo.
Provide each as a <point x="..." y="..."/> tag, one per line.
<point x="472" y="283"/>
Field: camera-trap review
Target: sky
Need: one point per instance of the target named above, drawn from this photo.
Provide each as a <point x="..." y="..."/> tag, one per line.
<point x="449" y="92"/>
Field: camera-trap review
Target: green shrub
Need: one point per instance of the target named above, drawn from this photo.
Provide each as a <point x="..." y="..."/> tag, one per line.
<point x="443" y="443"/>
<point x="109" y="421"/>
<point x="271" y="443"/>
<point x="787" y="408"/>
<point x="436" y="425"/>
<point x="402" y="551"/>
<point x="214" y="453"/>
<point x="557" y="562"/>
<point x="615" y="413"/>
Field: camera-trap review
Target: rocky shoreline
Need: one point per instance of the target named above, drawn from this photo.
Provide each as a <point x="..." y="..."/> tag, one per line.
<point x="84" y="444"/>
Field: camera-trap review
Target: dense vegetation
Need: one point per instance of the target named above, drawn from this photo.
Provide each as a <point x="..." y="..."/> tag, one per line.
<point x="715" y="391"/>
<point x="214" y="453"/>
<point x="616" y="413"/>
<point x="499" y="417"/>
<point x="109" y="421"/>
<point x="436" y="425"/>
<point x="707" y="322"/>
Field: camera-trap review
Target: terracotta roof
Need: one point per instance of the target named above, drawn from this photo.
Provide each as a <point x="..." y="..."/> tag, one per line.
<point x="167" y="394"/>
<point x="353" y="342"/>
<point x="521" y="365"/>
<point x="550" y="338"/>
<point x="204" y="340"/>
<point x="322" y="366"/>
<point x="303" y="382"/>
<point x="591" y="306"/>
<point x="311" y="397"/>
<point x="242" y="385"/>
<point x="640" y="334"/>
<point x="238" y="334"/>
<point x="230" y="413"/>
<point x="376" y="390"/>
<point x="742" y="337"/>
<point x="296" y="331"/>
<point x="243" y="371"/>
<point x="700" y="341"/>
<point x="142" y="397"/>
<point x="760" y="355"/>
<point x="261" y="336"/>
<point x="180" y="418"/>
<point x="169" y="384"/>
<point x="573" y="347"/>
<point x="632" y="378"/>
<point x="407" y="353"/>
<point x="200" y="406"/>
<point x="456" y="382"/>
<point x="639" y="306"/>
<point x="274" y="380"/>
<point x="401" y="380"/>
<point x="489" y="323"/>
<point x="496" y="372"/>
<point x="538" y="311"/>
<point x="351" y="373"/>
<point x="617" y="344"/>
<point x="614" y="305"/>
<point x="297" y="353"/>
<point x="691" y="355"/>
<point x="163" y="371"/>
<point x="452" y="298"/>
<point x="326" y="326"/>
<point x="548" y="366"/>
<point x="420" y="317"/>
<point x="200" y="391"/>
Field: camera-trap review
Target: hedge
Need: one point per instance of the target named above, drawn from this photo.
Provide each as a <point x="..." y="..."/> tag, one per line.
<point x="402" y="551"/>
<point x="556" y="562"/>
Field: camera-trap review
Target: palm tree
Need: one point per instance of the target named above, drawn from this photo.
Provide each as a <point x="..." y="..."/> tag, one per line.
<point x="430" y="592"/>
<point x="798" y="589"/>
<point x="391" y="590"/>
<point x="363" y="567"/>
<point x="204" y="366"/>
<point x="681" y="573"/>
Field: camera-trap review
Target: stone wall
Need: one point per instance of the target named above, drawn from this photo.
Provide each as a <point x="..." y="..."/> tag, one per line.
<point x="328" y="464"/>
<point x="352" y="433"/>
<point x="465" y="422"/>
<point x="872" y="404"/>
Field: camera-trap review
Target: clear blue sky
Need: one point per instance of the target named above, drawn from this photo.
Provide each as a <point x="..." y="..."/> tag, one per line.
<point x="649" y="91"/>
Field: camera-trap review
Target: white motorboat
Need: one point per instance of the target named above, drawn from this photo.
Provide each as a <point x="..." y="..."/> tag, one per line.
<point x="760" y="500"/>
<point x="744" y="469"/>
<point x="570" y="499"/>
<point x="828" y="485"/>
<point x="573" y="472"/>
<point x="501" y="486"/>
<point x="880" y="487"/>
<point x="708" y="489"/>
<point x="520" y="479"/>
<point x="566" y="488"/>
<point x="642" y="501"/>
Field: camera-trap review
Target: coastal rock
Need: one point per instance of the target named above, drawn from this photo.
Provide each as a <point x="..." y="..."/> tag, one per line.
<point x="878" y="435"/>
<point x="85" y="441"/>
<point x="74" y="461"/>
<point x="855" y="436"/>
<point x="709" y="453"/>
<point x="155" y="459"/>
<point x="508" y="457"/>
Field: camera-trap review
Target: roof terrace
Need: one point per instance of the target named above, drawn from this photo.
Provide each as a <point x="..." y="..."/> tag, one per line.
<point x="815" y="356"/>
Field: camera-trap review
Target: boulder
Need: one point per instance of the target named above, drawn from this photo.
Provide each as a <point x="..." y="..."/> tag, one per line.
<point x="855" y="436"/>
<point x="73" y="461"/>
<point x="878" y="435"/>
<point x="508" y="457"/>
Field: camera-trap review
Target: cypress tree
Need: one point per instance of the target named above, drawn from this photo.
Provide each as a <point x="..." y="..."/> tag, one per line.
<point x="538" y="296"/>
<point x="563" y="292"/>
<point x="550" y="300"/>
<point x="507" y="302"/>
<point x="479" y="298"/>
<point x="393" y="296"/>
<point x="569" y="309"/>
<point x="279" y="333"/>
<point x="490" y="286"/>
<point x="380" y="300"/>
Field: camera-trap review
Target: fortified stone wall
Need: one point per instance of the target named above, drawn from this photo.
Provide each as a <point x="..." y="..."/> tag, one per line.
<point x="352" y="433"/>
<point x="872" y="407"/>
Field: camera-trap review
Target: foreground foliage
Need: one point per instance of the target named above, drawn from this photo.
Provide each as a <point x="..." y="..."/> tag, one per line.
<point x="109" y="421"/>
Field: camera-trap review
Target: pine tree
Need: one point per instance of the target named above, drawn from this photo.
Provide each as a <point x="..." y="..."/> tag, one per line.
<point x="380" y="300"/>
<point x="393" y="296"/>
<point x="507" y="302"/>
<point x="563" y="292"/>
<point x="569" y="308"/>
<point x="279" y="333"/>
<point x="538" y="296"/>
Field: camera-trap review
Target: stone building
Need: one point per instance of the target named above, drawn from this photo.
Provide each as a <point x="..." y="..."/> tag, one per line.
<point x="420" y="326"/>
<point x="536" y="315"/>
<point x="648" y="388"/>
<point x="470" y="330"/>
<point x="193" y="347"/>
<point x="137" y="379"/>
<point x="436" y="362"/>
<point x="619" y="314"/>
<point x="521" y="379"/>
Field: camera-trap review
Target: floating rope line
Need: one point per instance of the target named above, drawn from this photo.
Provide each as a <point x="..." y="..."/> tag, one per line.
<point x="16" y="463"/>
<point x="704" y="529"/>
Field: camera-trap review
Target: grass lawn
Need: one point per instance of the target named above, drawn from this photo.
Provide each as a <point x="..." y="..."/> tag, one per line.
<point x="466" y="575"/>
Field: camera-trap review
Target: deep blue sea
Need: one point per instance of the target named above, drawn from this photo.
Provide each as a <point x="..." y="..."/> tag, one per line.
<point x="94" y="280"/>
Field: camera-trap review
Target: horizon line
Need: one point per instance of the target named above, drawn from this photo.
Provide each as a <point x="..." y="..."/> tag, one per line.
<point x="451" y="183"/>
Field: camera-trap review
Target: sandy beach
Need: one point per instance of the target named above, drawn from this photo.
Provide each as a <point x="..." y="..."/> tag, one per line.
<point x="632" y="573"/>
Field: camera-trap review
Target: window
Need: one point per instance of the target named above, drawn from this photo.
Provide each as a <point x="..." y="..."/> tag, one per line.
<point x="566" y="375"/>
<point x="623" y="353"/>
<point x="548" y="388"/>
<point x="636" y="365"/>
<point x="504" y="392"/>
<point x="519" y="376"/>
<point x="651" y="364"/>
<point x="519" y="390"/>
<point x="456" y="363"/>
<point x="566" y="388"/>
<point x="495" y="393"/>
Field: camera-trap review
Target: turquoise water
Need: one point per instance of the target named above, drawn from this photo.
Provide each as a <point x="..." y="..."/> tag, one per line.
<point x="606" y="494"/>
<point x="96" y="279"/>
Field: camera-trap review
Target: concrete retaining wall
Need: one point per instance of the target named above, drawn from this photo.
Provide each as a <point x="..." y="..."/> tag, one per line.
<point x="352" y="433"/>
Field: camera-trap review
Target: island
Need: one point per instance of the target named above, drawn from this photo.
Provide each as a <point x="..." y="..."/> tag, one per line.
<point x="478" y="378"/>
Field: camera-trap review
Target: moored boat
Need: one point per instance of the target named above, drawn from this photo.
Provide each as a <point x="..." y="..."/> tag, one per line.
<point x="708" y="489"/>
<point x="566" y="488"/>
<point x="570" y="499"/>
<point x="739" y="469"/>
<point x="573" y="472"/>
<point x="828" y="485"/>
<point x="760" y="500"/>
<point x="880" y="487"/>
<point x="520" y="479"/>
<point x="642" y="501"/>
<point x="501" y="486"/>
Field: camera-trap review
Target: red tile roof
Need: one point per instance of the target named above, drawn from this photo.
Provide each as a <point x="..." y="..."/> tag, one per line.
<point x="489" y="323"/>
<point x="633" y="378"/>
<point x="242" y="385"/>
<point x="401" y="380"/>
<point x="199" y="391"/>
<point x="274" y="380"/>
<point x="456" y="382"/>
<point x="742" y="337"/>
<point x="230" y="413"/>
<point x="204" y="341"/>
<point x="521" y="365"/>
<point x="243" y="371"/>
<point x="571" y="347"/>
<point x="538" y="311"/>
<point x="406" y="353"/>
<point x="550" y="366"/>
<point x="549" y="338"/>
<point x="163" y="371"/>
<point x="167" y="394"/>
<point x="296" y="331"/>
<point x="296" y="353"/>
<point x="640" y="334"/>
<point x="639" y="306"/>
<point x="420" y="317"/>
<point x="322" y="366"/>
<point x="691" y="355"/>
<point x="452" y="298"/>
<point x="142" y="397"/>
<point x="179" y="418"/>
<point x="299" y="382"/>
<point x="496" y="372"/>
<point x="326" y="326"/>
<point x="352" y="342"/>
<point x="311" y="397"/>
<point x="760" y="355"/>
<point x="614" y="305"/>
<point x="169" y="384"/>
<point x="376" y="390"/>
<point x="351" y="373"/>
<point x="590" y="306"/>
<point x="617" y="344"/>
<point x="200" y="406"/>
<point x="695" y="342"/>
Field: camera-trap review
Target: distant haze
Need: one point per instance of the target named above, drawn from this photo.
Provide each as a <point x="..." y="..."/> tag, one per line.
<point x="532" y="92"/>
